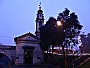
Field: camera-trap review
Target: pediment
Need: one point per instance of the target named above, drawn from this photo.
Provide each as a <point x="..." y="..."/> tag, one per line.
<point x="28" y="38"/>
<point x="25" y="37"/>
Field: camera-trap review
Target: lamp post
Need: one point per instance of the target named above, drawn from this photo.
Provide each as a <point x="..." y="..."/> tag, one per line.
<point x="59" y="24"/>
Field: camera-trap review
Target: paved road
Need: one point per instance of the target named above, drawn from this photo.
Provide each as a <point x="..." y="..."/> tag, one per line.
<point x="36" y="66"/>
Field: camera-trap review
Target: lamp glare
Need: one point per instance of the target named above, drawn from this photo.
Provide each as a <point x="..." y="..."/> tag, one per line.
<point x="59" y="23"/>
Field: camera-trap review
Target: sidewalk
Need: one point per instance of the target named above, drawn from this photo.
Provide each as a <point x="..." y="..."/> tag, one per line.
<point x="36" y="66"/>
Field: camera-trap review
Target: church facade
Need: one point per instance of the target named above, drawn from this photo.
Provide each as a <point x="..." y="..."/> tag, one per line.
<point x="28" y="50"/>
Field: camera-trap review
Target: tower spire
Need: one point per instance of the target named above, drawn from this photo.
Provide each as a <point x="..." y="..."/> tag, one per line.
<point x="40" y="6"/>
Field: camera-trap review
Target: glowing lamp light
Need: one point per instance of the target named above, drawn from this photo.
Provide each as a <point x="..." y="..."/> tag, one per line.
<point x="59" y="23"/>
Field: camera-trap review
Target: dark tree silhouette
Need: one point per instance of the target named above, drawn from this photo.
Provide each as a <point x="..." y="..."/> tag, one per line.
<point x="52" y="34"/>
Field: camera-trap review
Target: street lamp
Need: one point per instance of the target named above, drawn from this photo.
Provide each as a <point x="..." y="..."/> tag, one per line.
<point x="59" y="23"/>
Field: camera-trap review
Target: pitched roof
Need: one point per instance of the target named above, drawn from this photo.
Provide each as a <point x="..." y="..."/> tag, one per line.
<point x="27" y="34"/>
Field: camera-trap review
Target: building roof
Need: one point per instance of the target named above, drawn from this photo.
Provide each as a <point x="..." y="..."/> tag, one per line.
<point x="24" y="35"/>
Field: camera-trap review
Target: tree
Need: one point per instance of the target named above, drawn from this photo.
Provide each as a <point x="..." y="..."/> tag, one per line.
<point x="52" y="34"/>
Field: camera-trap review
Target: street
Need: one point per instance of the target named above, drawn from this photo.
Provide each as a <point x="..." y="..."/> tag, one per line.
<point x="35" y="66"/>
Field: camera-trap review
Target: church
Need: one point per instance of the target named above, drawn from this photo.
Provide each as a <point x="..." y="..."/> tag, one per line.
<point x="28" y="50"/>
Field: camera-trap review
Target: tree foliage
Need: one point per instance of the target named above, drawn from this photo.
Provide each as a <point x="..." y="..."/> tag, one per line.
<point x="52" y="34"/>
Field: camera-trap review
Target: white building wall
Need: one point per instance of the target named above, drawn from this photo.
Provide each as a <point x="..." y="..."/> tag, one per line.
<point x="19" y="54"/>
<point x="37" y="53"/>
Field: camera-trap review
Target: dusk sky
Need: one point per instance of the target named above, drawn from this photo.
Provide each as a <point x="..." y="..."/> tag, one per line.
<point x="17" y="17"/>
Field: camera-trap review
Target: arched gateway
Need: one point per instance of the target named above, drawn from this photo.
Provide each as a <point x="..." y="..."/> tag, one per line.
<point x="5" y="60"/>
<point x="5" y="54"/>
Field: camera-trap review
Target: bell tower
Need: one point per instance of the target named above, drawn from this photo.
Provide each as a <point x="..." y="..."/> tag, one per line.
<point x="39" y="20"/>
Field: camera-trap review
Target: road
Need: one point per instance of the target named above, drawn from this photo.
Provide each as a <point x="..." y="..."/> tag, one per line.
<point x="35" y="66"/>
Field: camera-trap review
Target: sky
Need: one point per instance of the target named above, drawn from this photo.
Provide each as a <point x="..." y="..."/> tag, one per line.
<point x="17" y="17"/>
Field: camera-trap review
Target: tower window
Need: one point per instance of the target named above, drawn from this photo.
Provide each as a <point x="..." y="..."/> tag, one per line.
<point x="40" y="23"/>
<point x="40" y="15"/>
